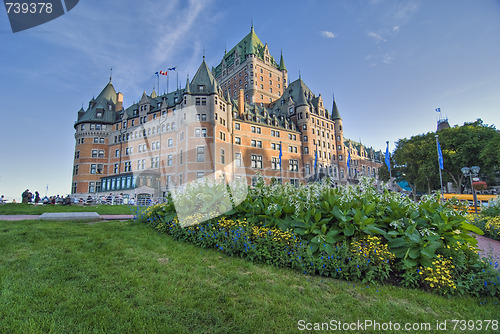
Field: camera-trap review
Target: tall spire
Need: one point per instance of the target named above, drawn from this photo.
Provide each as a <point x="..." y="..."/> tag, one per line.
<point x="335" y="110"/>
<point x="282" y="62"/>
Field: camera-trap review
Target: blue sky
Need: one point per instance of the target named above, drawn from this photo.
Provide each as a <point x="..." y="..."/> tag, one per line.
<point x="389" y="63"/>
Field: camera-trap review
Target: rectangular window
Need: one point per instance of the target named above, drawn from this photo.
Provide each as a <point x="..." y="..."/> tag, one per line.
<point x="237" y="159"/>
<point x="200" y="154"/>
<point x="170" y="142"/>
<point x="237" y="140"/>
<point x="91" y="187"/>
<point x="222" y="156"/>
<point x="155" y="162"/>
<point x="275" y="163"/>
<point x="101" y="154"/>
<point x="93" y="168"/>
<point x="128" y="166"/>
<point x="94" y="153"/>
<point x="169" y="160"/>
<point x="115" y="169"/>
<point x="256" y="161"/>
<point x="75" y="170"/>
<point x="77" y="154"/>
<point x="73" y="188"/>
<point x="237" y="126"/>
<point x="200" y="175"/>
<point x="100" y="168"/>
<point x="308" y="169"/>
<point x="293" y="165"/>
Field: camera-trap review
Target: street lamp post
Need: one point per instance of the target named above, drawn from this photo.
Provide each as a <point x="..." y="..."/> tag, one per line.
<point x="474" y="170"/>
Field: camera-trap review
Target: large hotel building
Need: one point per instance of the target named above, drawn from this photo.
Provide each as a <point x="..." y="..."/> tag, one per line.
<point x="239" y="119"/>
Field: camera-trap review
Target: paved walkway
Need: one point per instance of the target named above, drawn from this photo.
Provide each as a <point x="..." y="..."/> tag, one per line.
<point x="488" y="247"/>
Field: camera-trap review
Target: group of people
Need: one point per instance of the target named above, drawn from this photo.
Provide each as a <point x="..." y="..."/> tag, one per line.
<point x="28" y="197"/>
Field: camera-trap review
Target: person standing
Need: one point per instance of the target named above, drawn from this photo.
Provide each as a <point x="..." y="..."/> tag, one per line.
<point x="37" y="197"/>
<point x="25" y="196"/>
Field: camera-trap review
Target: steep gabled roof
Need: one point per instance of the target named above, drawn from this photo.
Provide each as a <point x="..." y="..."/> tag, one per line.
<point x="99" y="107"/>
<point x="250" y="44"/>
<point x="203" y="81"/>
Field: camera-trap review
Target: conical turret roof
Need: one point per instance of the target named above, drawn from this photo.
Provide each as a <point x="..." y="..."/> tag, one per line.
<point x="335" y="111"/>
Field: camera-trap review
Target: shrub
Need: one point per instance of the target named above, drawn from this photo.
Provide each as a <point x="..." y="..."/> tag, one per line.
<point x="349" y="233"/>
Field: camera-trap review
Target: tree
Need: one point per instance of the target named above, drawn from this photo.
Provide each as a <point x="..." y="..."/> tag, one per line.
<point x="416" y="159"/>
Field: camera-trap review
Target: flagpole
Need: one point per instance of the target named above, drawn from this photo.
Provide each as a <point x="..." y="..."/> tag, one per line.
<point x="388" y="163"/>
<point x="316" y="163"/>
<point x="439" y="164"/>
<point x="281" y="168"/>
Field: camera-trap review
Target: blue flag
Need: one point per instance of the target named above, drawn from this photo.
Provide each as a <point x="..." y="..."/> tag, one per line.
<point x="315" y="158"/>
<point x="281" y="153"/>
<point x="349" y="160"/>
<point x="440" y="156"/>
<point x="171" y="69"/>
<point x="438" y="109"/>
<point x="388" y="158"/>
<point x="157" y="74"/>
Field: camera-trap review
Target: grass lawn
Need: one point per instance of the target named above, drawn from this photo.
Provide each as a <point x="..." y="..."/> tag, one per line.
<point x="30" y="209"/>
<point x="123" y="277"/>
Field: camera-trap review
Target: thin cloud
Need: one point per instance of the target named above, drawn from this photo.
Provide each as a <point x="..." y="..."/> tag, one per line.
<point x="163" y="35"/>
<point x="376" y="37"/>
<point x="328" y="34"/>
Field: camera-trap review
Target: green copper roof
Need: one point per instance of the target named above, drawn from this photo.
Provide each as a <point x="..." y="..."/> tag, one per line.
<point x="250" y="44"/>
<point x="335" y="110"/>
<point x="99" y="108"/>
<point x="203" y="81"/>
<point x="108" y="93"/>
<point x="282" y="63"/>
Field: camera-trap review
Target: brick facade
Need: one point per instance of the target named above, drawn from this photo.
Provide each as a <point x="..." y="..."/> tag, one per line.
<point x="227" y="122"/>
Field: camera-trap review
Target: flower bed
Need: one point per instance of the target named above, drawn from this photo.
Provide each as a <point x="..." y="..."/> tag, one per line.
<point x="351" y="233"/>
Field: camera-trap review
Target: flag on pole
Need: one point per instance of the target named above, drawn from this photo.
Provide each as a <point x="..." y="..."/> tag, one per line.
<point x="438" y="109"/>
<point x="160" y="72"/>
<point x="440" y="156"/>
<point x="315" y="158"/>
<point x="388" y="158"/>
<point x="281" y="154"/>
<point x="349" y="160"/>
<point x="172" y="69"/>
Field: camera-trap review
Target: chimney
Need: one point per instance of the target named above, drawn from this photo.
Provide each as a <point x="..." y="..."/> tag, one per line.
<point x="119" y="101"/>
<point x="241" y="103"/>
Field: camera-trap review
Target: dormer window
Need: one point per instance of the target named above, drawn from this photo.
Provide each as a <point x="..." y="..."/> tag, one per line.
<point x="110" y="107"/>
<point x="201" y="88"/>
<point x="98" y="114"/>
